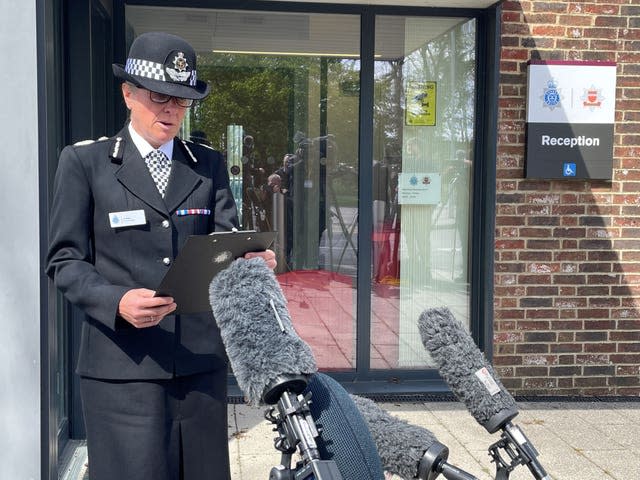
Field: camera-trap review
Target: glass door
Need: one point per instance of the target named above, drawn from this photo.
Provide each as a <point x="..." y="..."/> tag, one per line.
<point x="284" y="109"/>
<point x="422" y="169"/>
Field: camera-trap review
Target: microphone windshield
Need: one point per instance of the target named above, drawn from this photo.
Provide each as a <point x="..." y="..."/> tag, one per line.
<point x="400" y="444"/>
<point x="464" y="368"/>
<point x="345" y="437"/>
<point x="263" y="347"/>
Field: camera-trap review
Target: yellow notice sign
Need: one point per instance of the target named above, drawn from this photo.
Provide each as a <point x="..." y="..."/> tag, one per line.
<point x="421" y="104"/>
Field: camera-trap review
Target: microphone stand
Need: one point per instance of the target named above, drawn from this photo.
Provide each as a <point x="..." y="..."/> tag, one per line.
<point x="296" y="431"/>
<point x="519" y="451"/>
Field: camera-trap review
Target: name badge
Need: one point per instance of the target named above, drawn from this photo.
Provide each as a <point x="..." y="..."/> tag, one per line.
<point x="127" y="219"/>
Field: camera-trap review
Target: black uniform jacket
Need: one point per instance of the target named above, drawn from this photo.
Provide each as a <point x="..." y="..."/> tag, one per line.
<point x="94" y="264"/>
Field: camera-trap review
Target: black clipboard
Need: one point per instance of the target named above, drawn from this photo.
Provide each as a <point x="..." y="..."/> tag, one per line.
<point x="200" y="259"/>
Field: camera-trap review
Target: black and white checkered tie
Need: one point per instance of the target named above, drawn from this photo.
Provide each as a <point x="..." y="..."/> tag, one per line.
<point x="159" y="167"/>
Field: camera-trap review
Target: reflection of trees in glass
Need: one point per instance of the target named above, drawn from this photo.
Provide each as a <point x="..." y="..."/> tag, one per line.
<point x="255" y="94"/>
<point x="343" y="105"/>
<point x="448" y="60"/>
<point x="276" y="99"/>
<point x="388" y="107"/>
<point x="268" y="94"/>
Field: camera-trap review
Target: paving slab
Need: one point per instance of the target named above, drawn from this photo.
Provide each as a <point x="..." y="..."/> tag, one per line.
<point x="576" y="440"/>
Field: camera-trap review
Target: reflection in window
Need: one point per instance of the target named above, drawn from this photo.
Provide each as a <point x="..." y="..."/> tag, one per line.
<point x="423" y="139"/>
<point x="284" y="111"/>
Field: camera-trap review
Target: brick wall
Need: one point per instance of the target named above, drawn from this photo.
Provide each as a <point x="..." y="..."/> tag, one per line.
<point x="567" y="262"/>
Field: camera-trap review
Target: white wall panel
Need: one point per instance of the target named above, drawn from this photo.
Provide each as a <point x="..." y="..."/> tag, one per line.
<point x="19" y="245"/>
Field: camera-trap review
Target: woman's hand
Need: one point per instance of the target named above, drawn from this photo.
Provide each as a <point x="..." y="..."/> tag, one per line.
<point x="268" y="256"/>
<point x="142" y="310"/>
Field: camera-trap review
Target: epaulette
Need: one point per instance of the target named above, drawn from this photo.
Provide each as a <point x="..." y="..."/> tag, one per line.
<point x="200" y="144"/>
<point x="89" y="142"/>
<point x="188" y="150"/>
<point x="117" y="150"/>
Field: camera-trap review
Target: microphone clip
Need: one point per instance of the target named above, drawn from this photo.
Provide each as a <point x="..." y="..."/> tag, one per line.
<point x="518" y="450"/>
<point x="297" y="431"/>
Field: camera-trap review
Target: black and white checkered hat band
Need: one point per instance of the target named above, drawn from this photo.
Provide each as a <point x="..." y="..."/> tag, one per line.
<point x="152" y="70"/>
<point x="144" y="68"/>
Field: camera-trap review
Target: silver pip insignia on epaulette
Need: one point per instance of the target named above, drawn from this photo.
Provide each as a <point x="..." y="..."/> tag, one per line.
<point x="186" y="147"/>
<point x="116" y="153"/>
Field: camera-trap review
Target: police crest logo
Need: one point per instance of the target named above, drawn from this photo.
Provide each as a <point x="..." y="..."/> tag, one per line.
<point x="551" y="96"/>
<point x="179" y="73"/>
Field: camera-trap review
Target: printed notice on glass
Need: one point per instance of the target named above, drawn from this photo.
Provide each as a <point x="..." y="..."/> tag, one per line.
<point x="419" y="188"/>
<point x="421" y="104"/>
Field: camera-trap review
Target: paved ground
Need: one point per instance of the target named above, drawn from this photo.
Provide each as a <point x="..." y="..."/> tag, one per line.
<point x="577" y="441"/>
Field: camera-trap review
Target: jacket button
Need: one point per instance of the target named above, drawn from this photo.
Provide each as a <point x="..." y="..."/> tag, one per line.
<point x="166" y="261"/>
<point x="165" y="224"/>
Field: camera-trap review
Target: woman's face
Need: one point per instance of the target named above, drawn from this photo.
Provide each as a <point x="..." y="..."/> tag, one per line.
<point x="157" y="123"/>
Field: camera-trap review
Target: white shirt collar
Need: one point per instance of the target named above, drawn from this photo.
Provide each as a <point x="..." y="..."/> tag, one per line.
<point x="145" y="148"/>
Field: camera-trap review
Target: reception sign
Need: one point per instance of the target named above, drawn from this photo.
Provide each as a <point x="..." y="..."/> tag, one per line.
<point x="570" y="119"/>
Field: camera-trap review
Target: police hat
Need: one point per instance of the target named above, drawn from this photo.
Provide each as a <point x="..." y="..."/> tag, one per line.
<point x="163" y="63"/>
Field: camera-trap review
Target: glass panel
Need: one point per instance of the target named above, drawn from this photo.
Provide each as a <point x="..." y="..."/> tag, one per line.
<point x="283" y="109"/>
<point x="423" y="152"/>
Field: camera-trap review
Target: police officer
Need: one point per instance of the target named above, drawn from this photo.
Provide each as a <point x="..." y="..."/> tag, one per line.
<point x="153" y="384"/>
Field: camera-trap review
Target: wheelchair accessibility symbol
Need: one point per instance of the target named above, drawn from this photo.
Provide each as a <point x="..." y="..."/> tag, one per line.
<point x="569" y="170"/>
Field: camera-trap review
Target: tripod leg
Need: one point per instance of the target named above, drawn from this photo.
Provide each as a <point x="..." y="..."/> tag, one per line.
<point x="502" y="474"/>
<point x="344" y="248"/>
<point x="343" y="226"/>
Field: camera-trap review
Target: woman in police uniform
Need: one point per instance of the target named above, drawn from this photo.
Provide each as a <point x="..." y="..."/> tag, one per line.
<point x="153" y="384"/>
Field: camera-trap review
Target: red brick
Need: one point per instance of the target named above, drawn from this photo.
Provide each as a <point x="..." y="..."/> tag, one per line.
<point x="599" y="348"/>
<point x="578" y="242"/>
<point x="601" y="32"/>
<point x="592" y="359"/>
<point x="565" y="383"/>
<point x="557" y="7"/>
<point x="628" y="370"/>
<point x="628" y="392"/>
<point x="605" y="45"/>
<point x="548" y="31"/>
<point x="630" y="358"/>
<point x="515" y="54"/>
<point x="511" y="16"/>
<point x="590" y="381"/>
<point x="540" y="385"/>
<point x="625" y="336"/>
<point x="632" y="347"/>
<point x="541" y="314"/>
<point x="567" y="313"/>
<point x="532" y="348"/>
<point x="507" y="360"/>
<point x="597" y="323"/>
<point x="624" y="381"/>
<point x="601" y="8"/>
<point x="603" y="21"/>
<point x="566" y="348"/>
<point x="574" y="20"/>
<point x="532" y="371"/>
